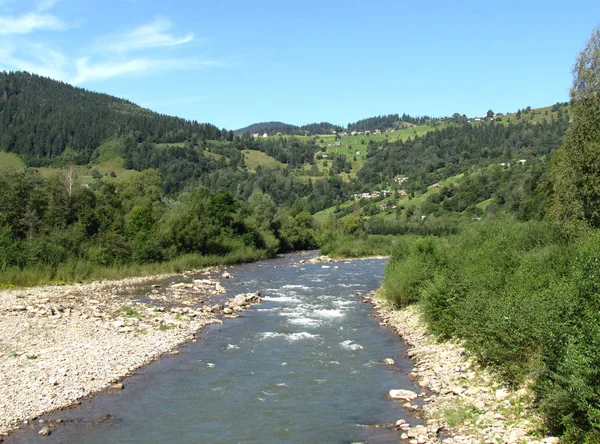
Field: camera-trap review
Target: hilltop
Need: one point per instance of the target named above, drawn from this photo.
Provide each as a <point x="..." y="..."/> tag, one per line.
<point x="280" y="128"/>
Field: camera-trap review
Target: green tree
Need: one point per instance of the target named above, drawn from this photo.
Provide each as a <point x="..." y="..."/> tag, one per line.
<point x="576" y="166"/>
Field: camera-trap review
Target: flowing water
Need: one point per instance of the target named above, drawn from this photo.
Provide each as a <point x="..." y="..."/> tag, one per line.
<point x="305" y="366"/>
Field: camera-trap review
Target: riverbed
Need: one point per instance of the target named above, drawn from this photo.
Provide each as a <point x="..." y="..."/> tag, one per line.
<point x="305" y="365"/>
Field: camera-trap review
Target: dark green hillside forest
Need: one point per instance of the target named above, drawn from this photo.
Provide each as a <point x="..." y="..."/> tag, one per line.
<point x="274" y="128"/>
<point x="525" y="296"/>
<point x="42" y="119"/>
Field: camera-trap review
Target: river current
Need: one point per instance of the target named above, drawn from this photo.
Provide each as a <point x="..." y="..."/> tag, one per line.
<point x="304" y="366"/>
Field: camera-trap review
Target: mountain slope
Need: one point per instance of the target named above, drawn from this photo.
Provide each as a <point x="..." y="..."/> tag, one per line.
<point x="41" y="119"/>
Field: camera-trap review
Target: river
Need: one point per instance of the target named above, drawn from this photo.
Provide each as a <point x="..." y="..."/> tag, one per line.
<point x="304" y="366"/>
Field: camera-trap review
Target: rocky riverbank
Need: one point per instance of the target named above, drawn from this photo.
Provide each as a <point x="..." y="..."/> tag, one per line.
<point x="61" y="343"/>
<point x="464" y="402"/>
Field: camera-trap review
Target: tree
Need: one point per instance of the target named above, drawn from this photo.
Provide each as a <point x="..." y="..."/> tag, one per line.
<point x="576" y="166"/>
<point x="490" y="114"/>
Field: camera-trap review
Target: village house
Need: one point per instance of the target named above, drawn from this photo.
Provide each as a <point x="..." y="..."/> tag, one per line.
<point x="401" y="179"/>
<point x="403" y="193"/>
<point x="435" y="185"/>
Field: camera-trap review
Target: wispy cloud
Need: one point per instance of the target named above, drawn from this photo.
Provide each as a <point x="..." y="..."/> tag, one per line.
<point x="35" y="58"/>
<point x="149" y="36"/>
<point x="87" y="71"/>
<point x="27" y="23"/>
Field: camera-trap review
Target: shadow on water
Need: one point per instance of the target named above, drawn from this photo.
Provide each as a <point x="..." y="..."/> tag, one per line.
<point x="303" y="366"/>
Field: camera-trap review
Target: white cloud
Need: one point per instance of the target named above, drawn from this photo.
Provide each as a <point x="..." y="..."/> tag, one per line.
<point x="151" y="35"/>
<point x="87" y="72"/>
<point x="30" y="22"/>
<point x="35" y="58"/>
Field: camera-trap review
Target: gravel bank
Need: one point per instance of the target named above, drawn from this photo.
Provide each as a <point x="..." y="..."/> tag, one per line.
<point x="60" y="343"/>
<point x="465" y="402"/>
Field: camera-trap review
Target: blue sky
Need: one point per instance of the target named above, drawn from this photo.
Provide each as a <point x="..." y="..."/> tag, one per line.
<point x="233" y="63"/>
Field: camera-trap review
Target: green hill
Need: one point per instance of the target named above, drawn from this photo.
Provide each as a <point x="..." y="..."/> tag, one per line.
<point x="42" y="119"/>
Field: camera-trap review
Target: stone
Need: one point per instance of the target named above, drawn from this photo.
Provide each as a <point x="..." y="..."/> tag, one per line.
<point x="227" y="311"/>
<point x="44" y="431"/>
<point x="416" y="431"/>
<point x="411" y="408"/>
<point x="226" y="275"/>
<point x="502" y="394"/>
<point x="404" y="436"/>
<point x="220" y="289"/>
<point x="404" y="395"/>
<point x="551" y="440"/>
<point x="52" y="381"/>
<point x="388" y="361"/>
<point x="117" y="386"/>
<point x="473" y="391"/>
<point x="457" y="390"/>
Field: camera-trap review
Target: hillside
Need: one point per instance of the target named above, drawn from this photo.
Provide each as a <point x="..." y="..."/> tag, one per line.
<point x="280" y="128"/>
<point x="42" y="119"/>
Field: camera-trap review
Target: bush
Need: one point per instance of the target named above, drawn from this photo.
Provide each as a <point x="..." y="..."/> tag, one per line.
<point x="525" y="299"/>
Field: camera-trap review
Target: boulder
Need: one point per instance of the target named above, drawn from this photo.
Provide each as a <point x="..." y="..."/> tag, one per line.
<point x="388" y="361"/>
<point x="404" y="395"/>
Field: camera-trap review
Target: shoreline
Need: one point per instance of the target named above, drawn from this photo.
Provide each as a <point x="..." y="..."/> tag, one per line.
<point x="60" y="344"/>
<point x="467" y="402"/>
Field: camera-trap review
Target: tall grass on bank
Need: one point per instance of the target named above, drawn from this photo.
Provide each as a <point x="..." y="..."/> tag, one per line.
<point x="346" y="246"/>
<point x="525" y="298"/>
<point x="83" y="270"/>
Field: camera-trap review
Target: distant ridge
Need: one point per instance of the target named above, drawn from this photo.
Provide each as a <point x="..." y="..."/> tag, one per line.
<point x="273" y="128"/>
